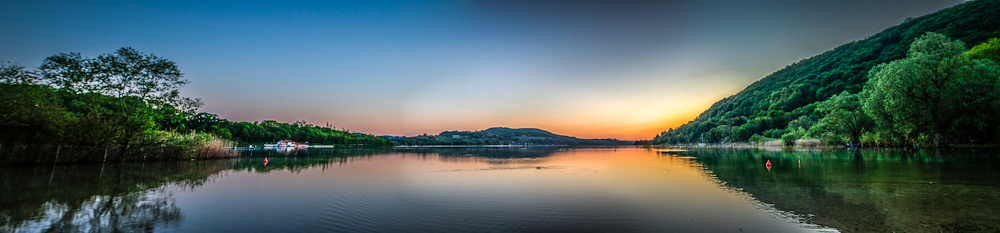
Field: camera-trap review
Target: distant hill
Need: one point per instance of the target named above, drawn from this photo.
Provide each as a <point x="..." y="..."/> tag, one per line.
<point x="768" y="105"/>
<point x="505" y="136"/>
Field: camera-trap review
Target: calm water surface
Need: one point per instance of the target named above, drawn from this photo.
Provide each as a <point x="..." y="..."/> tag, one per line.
<point x="516" y="190"/>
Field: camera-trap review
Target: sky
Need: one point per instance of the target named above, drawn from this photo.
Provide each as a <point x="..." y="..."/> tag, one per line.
<point x="588" y="69"/>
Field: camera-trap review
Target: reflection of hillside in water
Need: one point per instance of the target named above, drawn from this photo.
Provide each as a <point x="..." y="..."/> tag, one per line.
<point x="306" y="159"/>
<point x="490" y="155"/>
<point x="301" y="159"/>
<point x="301" y="151"/>
<point x="868" y="191"/>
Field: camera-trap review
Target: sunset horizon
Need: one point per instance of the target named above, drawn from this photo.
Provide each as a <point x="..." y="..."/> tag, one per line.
<point x="588" y="70"/>
<point x="500" y="116"/>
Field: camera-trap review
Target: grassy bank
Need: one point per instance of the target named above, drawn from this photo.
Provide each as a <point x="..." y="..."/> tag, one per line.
<point x="158" y="145"/>
<point x="800" y="144"/>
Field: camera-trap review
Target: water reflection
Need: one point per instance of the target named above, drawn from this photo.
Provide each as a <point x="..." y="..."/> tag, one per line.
<point x="96" y="197"/>
<point x="131" y="212"/>
<point x="124" y="197"/>
<point x="515" y="189"/>
<point x="492" y="152"/>
<point x="868" y="191"/>
<point x="409" y="190"/>
<point x="491" y="155"/>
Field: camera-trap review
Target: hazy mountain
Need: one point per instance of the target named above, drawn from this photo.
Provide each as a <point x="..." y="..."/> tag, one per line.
<point x="505" y="136"/>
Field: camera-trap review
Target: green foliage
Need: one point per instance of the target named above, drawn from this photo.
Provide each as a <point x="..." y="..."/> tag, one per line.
<point x="269" y="131"/>
<point x="989" y="50"/>
<point x="114" y="99"/>
<point x="831" y="138"/>
<point x="126" y="73"/>
<point x="844" y="119"/>
<point x="795" y="130"/>
<point x="41" y="114"/>
<point x="504" y="136"/>
<point x="796" y="90"/>
<point x="128" y="103"/>
<point x="756" y="139"/>
<point x="936" y="92"/>
<point x="31" y="112"/>
<point x="803" y="122"/>
<point x="774" y="133"/>
<point x="789" y="139"/>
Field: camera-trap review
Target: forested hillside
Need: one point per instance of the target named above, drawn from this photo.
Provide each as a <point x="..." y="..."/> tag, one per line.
<point x="505" y="136"/>
<point x="794" y="94"/>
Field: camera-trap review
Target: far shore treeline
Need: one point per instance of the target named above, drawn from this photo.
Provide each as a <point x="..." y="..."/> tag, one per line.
<point x="932" y="81"/>
<point x="505" y="136"/>
<point x="125" y="106"/>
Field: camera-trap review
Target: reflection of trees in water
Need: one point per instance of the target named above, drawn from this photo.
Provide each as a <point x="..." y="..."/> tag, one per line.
<point x="307" y="152"/>
<point x="130" y="197"/>
<point x="132" y="212"/>
<point x="869" y="190"/>
<point x="320" y="158"/>
<point x="104" y="197"/>
<point x="491" y="161"/>
<point x="126" y="196"/>
<point x="493" y="155"/>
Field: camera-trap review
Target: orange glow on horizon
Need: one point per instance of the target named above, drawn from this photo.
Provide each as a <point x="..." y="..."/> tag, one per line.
<point x="584" y="113"/>
<point x="626" y="127"/>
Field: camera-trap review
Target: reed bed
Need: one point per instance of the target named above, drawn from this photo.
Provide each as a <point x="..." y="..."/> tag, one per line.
<point x="155" y="146"/>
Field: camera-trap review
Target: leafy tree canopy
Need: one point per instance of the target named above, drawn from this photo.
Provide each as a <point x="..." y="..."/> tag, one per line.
<point x="124" y="73"/>
<point x="936" y="92"/>
<point x="989" y="50"/>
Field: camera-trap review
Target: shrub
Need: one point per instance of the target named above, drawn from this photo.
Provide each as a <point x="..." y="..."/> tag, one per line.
<point x="831" y="138"/>
<point x="806" y="142"/>
<point x="788" y="139"/>
<point x="756" y="139"/>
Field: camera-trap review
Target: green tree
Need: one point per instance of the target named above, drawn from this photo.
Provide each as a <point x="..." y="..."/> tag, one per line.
<point x="989" y="50"/>
<point x="15" y="73"/>
<point x="844" y="117"/>
<point x="796" y="129"/>
<point x="756" y="139"/>
<point x="30" y="112"/>
<point x="741" y="134"/>
<point x="119" y="97"/>
<point x="936" y="91"/>
<point x="70" y="72"/>
<point x="788" y="139"/>
<point x="125" y="73"/>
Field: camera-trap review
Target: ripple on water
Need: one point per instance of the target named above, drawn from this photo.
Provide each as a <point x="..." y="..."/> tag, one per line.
<point x="364" y="208"/>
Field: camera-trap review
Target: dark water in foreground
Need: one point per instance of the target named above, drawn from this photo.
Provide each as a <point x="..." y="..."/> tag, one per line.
<point x="516" y="190"/>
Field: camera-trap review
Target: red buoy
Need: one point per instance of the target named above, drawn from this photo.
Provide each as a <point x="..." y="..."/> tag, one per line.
<point x="768" y="162"/>
<point x="265" y="161"/>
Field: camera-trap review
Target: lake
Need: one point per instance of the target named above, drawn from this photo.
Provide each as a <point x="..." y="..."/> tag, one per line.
<point x="537" y="189"/>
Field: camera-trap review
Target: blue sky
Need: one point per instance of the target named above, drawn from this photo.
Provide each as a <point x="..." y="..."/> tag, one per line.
<point x="592" y="69"/>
